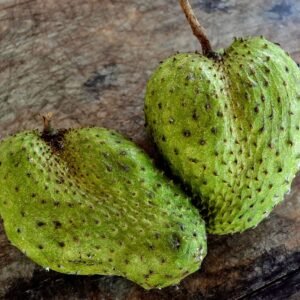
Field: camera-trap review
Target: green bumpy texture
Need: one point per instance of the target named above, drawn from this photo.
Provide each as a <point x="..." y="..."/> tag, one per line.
<point x="97" y="206"/>
<point x="229" y="129"/>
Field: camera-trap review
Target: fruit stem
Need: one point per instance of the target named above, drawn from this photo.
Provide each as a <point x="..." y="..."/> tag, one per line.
<point x="198" y="30"/>
<point x="47" y="118"/>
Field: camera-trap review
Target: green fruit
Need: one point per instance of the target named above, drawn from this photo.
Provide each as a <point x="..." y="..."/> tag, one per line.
<point x="88" y="201"/>
<point x="228" y="125"/>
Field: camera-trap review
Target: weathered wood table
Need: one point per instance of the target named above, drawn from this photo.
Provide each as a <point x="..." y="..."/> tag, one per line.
<point x="88" y="61"/>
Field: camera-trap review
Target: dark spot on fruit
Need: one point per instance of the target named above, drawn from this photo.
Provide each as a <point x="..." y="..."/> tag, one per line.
<point x="182" y="227"/>
<point x="18" y="230"/>
<point x="151" y="247"/>
<point x="251" y="206"/>
<point x="279" y="170"/>
<point x="163" y="138"/>
<point x="56" y="203"/>
<point x="40" y="247"/>
<point x="202" y="142"/>
<point x="157" y="235"/>
<point x="163" y="260"/>
<point x="171" y="120"/>
<point x="159" y="105"/>
<point x="261" y="129"/>
<point x="186" y="133"/>
<point x="57" y="224"/>
<point x="207" y="106"/>
<point x="214" y="130"/>
<point x="40" y="223"/>
<point x="61" y="244"/>
<point x="75" y="238"/>
<point x="60" y="180"/>
<point x="193" y="160"/>
<point x="175" y="241"/>
<point x="109" y="168"/>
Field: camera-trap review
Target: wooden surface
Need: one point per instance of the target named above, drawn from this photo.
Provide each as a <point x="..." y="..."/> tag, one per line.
<point x="88" y="61"/>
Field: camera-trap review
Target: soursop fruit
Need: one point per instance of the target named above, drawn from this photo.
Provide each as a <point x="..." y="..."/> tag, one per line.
<point x="88" y="201"/>
<point x="228" y="125"/>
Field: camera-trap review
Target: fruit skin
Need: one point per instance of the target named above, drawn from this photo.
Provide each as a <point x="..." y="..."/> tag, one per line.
<point x="88" y="201"/>
<point x="229" y="128"/>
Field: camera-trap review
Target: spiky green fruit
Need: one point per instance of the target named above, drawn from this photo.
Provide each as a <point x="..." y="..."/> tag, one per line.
<point x="88" y="201"/>
<point x="229" y="128"/>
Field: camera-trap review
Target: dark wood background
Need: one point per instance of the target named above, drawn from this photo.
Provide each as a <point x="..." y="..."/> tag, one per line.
<point x="88" y="61"/>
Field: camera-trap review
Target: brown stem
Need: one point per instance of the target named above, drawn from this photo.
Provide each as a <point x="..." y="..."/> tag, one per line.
<point x="53" y="137"/>
<point x="198" y="30"/>
<point x="47" y="118"/>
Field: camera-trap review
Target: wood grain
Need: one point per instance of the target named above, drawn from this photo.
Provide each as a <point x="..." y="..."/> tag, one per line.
<point x="88" y="62"/>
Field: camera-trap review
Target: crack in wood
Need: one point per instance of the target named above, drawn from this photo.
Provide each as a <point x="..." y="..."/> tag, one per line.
<point x="280" y="288"/>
